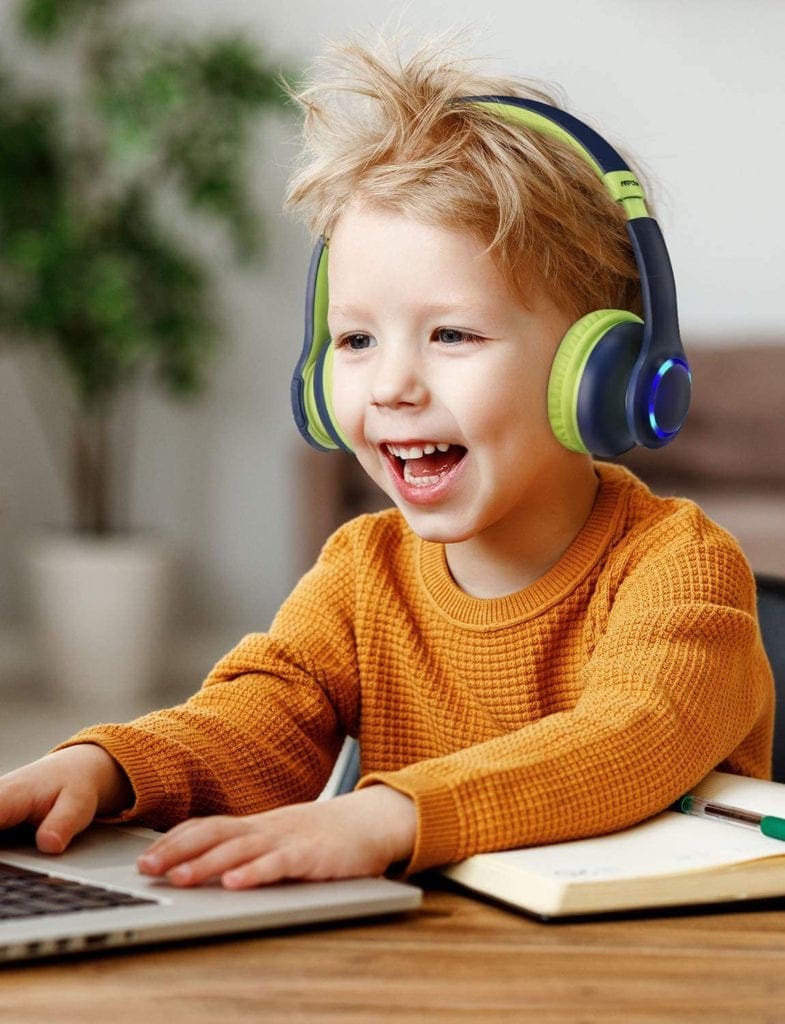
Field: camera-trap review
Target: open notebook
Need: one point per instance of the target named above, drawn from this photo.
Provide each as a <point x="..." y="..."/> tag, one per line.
<point x="670" y="860"/>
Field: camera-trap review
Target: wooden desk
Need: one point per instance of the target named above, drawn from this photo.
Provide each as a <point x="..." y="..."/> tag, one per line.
<point x="457" y="961"/>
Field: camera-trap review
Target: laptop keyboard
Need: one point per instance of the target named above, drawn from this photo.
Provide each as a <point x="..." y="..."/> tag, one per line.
<point x="25" y="893"/>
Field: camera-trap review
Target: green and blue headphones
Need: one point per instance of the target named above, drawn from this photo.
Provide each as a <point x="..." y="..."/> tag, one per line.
<point x="616" y="381"/>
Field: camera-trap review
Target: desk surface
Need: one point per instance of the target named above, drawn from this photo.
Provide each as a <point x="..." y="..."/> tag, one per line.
<point x="457" y="961"/>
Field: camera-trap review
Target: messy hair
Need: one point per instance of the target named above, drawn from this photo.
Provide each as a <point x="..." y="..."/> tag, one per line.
<point x="392" y="132"/>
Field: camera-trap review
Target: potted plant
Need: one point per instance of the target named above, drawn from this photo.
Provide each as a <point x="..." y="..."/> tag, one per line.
<point x="102" y="174"/>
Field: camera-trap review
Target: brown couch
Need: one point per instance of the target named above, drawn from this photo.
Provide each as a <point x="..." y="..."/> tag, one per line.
<point x="730" y="455"/>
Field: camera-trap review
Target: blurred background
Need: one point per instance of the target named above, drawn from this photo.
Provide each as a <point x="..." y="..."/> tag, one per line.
<point x="170" y="119"/>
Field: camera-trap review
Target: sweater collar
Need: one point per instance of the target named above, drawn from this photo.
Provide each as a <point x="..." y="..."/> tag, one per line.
<point x="571" y="569"/>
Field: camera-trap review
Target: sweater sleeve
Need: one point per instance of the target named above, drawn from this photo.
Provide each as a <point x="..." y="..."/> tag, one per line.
<point x="267" y="724"/>
<point x="674" y="684"/>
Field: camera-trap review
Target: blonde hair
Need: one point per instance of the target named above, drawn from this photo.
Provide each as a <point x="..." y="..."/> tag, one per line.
<point x="387" y="131"/>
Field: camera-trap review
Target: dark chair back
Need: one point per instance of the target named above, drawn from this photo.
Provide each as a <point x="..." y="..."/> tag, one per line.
<point x="771" y="612"/>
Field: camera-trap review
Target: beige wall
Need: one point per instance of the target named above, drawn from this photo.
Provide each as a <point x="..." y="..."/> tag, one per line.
<point x="694" y="87"/>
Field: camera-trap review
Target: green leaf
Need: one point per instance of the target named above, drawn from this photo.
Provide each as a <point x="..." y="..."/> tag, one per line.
<point x="41" y="19"/>
<point x="47" y="20"/>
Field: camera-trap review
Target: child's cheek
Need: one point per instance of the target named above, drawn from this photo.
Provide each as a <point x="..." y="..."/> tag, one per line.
<point x="348" y="407"/>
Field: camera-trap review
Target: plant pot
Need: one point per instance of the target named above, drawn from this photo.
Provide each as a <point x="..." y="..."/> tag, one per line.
<point x="100" y="611"/>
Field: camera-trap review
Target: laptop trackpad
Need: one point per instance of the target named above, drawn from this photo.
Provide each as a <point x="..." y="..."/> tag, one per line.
<point x="101" y="846"/>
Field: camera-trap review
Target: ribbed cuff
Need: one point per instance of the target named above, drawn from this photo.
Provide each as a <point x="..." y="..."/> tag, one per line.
<point x="438" y="828"/>
<point x="149" y="791"/>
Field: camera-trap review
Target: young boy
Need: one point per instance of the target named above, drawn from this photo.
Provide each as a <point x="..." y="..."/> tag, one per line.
<point x="530" y="647"/>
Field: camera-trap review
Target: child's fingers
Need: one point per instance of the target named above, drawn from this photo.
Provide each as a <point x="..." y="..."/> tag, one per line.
<point x="187" y="841"/>
<point x="15" y="803"/>
<point x="242" y="851"/>
<point x="306" y="859"/>
<point x="227" y="855"/>
<point x="271" y="867"/>
<point x="58" y="814"/>
<point x="71" y="812"/>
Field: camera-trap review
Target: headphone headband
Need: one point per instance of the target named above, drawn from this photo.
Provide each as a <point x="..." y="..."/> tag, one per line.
<point x="606" y="162"/>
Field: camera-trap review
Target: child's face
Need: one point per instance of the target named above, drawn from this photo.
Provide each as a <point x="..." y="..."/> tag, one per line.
<point x="440" y="375"/>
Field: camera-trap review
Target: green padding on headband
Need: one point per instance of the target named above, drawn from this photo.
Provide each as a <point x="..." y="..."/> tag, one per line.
<point x="616" y="182"/>
<point x="626" y="189"/>
<point x="567" y="370"/>
<point x="327" y="379"/>
<point x="320" y="338"/>
<point x="313" y="419"/>
<point x="542" y="124"/>
<point x="623" y="185"/>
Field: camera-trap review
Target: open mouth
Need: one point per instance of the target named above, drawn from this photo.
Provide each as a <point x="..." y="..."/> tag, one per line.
<point x="424" y="464"/>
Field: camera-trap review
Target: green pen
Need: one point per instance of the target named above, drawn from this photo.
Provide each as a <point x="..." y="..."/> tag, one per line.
<point x="765" y="823"/>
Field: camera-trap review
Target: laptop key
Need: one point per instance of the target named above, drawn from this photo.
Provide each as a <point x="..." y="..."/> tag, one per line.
<point x="25" y="893"/>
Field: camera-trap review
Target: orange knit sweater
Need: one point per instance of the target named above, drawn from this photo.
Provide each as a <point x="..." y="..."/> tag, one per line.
<point x="584" y="703"/>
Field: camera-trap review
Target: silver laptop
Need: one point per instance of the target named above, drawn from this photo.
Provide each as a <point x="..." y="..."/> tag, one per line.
<point x="91" y="897"/>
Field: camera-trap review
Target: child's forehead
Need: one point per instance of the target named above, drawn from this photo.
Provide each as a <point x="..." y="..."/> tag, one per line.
<point x="381" y="257"/>
<point x="360" y="212"/>
<point x="459" y="306"/>
<point x="366" y="235"/>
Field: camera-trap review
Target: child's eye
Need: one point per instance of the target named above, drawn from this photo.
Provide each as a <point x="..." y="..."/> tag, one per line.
<point x="356" y="342"/>
<point x="452" y="336"/>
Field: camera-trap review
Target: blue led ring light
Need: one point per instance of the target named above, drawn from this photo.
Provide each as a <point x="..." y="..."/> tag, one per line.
<point x="666" y="403"/>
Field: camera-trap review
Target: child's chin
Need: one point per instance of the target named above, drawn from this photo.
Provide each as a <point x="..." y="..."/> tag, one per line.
<point x="433" y="526"/>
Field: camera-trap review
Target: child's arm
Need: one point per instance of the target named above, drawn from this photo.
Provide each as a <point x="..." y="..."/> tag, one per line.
<point x="61" y="793"/>
<point x="262" y="732"/>
<point x="354" y="835"/>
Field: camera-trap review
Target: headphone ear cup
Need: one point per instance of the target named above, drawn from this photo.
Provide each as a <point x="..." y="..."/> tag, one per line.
<point x="587" y="387"/>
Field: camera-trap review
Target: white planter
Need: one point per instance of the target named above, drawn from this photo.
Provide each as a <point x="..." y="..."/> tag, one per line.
<point x="100" y="612"/>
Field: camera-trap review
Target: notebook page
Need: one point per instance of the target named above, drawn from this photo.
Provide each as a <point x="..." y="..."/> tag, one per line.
<point x="739" y="791"/>
<point x="670" y="843"/>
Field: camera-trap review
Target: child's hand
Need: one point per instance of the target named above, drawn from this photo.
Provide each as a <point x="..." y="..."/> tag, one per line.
<point x="355" y="835"/>
<point x="62" y="793"/>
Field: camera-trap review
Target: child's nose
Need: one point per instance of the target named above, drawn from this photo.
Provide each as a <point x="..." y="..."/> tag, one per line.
<point x="399" y="379"/>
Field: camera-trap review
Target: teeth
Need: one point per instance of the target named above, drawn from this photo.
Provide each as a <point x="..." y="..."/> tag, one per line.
<point x="419" y="481"/>
<point x="417" y="451"/>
